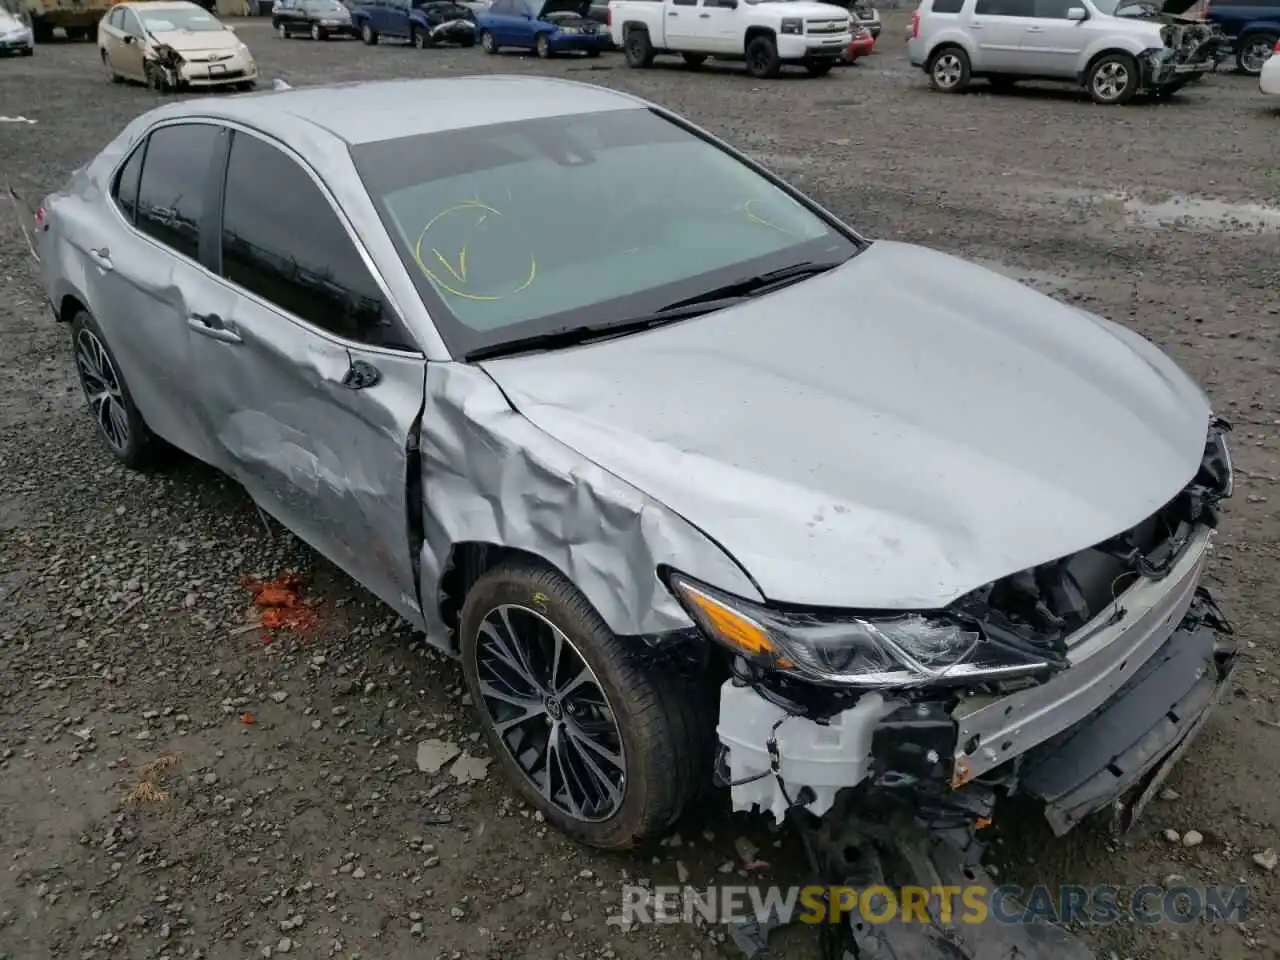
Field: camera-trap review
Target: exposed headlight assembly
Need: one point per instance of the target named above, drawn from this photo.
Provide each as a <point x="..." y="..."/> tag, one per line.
<point x="883" y="652"/>
<point x="792" y="25"/>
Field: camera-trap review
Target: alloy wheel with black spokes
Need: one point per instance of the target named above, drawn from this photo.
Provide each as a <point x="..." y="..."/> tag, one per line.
<point x="552" y="713"/>
<point x="608" y="745"/>
<point x="118" y="421"/>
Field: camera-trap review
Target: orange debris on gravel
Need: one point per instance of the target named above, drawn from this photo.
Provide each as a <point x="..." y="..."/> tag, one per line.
<point x="281" y="603"/>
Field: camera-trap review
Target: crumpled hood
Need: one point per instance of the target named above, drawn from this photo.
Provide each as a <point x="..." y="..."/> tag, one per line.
<point x="892" y="434"/>
<point x="197" y="41"/>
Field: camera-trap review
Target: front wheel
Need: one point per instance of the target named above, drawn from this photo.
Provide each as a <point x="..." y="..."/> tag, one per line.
<point x="639" y="50"/>
<point x="949" y="70"/>
<point x="282" y="31"/>
<point x="487" y="43"/>
<point x="608" y="744"/>
<point x="318" y="32"/>
<point x="119" y="423"/>
<point x="542" y="46"/>
<point x="1113" y="79"/>
<point x="368" y="35"/>
<point x="1253" y="51"/>
<point x="762" y="58"/>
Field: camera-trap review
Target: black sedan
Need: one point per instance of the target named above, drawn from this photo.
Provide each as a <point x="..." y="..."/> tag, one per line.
<point x="318" y="19"/>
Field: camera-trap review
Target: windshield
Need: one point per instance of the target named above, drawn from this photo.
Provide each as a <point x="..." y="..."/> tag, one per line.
<point x="522" y="228"/>
<point x="162" y="21"/>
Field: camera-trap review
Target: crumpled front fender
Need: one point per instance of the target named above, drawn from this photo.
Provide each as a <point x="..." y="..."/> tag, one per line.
<point x="491" y="476"/>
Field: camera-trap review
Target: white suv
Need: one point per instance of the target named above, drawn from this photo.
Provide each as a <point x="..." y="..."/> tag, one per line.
<point x="1115" y="49"/>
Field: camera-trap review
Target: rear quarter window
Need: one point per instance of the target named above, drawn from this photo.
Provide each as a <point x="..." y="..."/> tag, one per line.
<point x="946" y="6"/>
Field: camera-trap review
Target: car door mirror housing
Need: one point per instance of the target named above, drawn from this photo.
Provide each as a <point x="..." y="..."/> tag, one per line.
<point x="129" y="38"/>
<point x="1077" y="14"/>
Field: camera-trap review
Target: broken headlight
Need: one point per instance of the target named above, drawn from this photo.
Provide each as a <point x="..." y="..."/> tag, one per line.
<point x="891" y="651"/>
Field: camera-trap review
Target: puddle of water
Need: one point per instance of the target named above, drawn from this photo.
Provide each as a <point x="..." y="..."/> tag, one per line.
<point x="1183" y="211"/>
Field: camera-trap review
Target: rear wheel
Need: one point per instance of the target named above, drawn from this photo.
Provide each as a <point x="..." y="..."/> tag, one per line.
<point x="639" y="50"/>
<point x="949" y="70"/>
<point x="1253" y="50"/>
<point x="369" y="35"/>
<point x="1112" y="79"/>
<point x="120" y="425"/>
<point x="487" y="43"/>
<point x="762" y="58"/>
<point x="609" y="744"/>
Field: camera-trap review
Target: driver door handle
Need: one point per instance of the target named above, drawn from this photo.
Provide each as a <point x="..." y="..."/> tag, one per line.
<point x="102" y="257"/>
<point x="212" y="326"/>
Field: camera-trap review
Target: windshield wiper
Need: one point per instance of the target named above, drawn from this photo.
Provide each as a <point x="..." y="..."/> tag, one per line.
<point x="586" y="333"/>
<point x="759" y="284"/>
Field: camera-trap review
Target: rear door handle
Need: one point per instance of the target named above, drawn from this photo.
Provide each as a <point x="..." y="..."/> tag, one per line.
<point x="211" y="325"/>
<point x="974" y="26"/>
<point x="1035" y="29"/>
<point x="102" y="257"/>
<point x="704" y="16"/>
<point x="672" y="13"/>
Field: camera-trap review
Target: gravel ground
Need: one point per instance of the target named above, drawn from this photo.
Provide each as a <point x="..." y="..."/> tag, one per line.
<point x="312" y="831"/>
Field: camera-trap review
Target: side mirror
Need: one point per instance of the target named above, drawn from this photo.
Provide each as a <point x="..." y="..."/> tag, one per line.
<point x="1077" y="14"/>
<point x="129" y="38"/>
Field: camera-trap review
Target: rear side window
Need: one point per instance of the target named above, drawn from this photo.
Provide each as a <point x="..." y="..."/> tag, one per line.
<point x="1005" y="8"/>
<point x="946" y="6"/>
<point x="125" y="189"/>
<point x="175" y="175"/>
<point x="282" y="241"/>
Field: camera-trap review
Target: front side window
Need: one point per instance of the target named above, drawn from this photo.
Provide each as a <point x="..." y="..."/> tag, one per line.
<point x="521" y="228"/>
<point x="282" y="241"/>
<point x="175" y="175"/>
<point x="129" y="23"/>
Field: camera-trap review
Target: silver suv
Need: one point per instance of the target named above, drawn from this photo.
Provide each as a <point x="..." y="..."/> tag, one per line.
<point x="1115" y="49"/>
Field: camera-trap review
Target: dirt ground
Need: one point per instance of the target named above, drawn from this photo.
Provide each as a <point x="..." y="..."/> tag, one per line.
<point x="311" y="831"/>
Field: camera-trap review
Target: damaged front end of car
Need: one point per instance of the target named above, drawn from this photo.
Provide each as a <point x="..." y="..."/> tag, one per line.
<point x="887" y="737"/>
<point x="1191" y="46"/>
<point x="168" y="63"/>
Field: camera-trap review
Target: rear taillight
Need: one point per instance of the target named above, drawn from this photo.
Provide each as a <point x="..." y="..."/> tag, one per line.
<point x="915" y="23"/>
<point x="41" y="218"/>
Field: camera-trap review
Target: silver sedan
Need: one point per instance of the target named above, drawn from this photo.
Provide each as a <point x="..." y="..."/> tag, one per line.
<point x="692" y="477"/>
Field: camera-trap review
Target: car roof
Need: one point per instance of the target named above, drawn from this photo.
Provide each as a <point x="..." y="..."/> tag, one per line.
<point x="162" y="4"/>
<point x="370" y="111"/>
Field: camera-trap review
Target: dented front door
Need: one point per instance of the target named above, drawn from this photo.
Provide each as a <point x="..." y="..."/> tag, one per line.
<point x="302" y="407"/>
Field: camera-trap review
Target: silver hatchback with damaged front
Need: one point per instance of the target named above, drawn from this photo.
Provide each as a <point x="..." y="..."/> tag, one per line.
<point x="1114" y="49"/>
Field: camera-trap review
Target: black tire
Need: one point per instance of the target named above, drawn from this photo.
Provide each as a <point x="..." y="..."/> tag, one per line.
<point x="762" y="58"/>
<point x="487" y="43"/>
<point x="155" y="78"/>
<point x="1253" y="50"/>
<point x="542" y="46"/>
<point x="142" y="448"/>
<point x="244" y="86"/>
<point x="1112" y="79"/>
<point x="282" y="31"/>
<point x="664" y="721"/>
<point x="318" y="32"/>
<point x="819" y="68"/>
<point x="694" y="59"/>
<point x="950" y="70"/>
<point x="369" y="35"/>
<point x="638" y="48"/>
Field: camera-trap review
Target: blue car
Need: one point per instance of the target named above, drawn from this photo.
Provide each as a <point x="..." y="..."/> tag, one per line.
<point x="1251" y="27"/>
<point x="548" y="27"/>
<point x="424" y="24"/>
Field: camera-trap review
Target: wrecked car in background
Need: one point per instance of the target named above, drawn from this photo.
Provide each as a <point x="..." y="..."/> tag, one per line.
<point x="15" y="36"/>
<point x="878" y="566"/>
<point x="423" y="24"/>
<point x="173" y="45"/>
<point x="1114" y="49"/>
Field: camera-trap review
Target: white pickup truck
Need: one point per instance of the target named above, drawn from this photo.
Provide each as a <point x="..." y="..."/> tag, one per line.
<point x="767" y="34"/>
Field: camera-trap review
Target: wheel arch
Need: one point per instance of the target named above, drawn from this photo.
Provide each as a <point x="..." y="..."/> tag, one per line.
<point x="1095" y="52"/>
<point x="948" y="41"/>
<point x="757" y="31"/>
